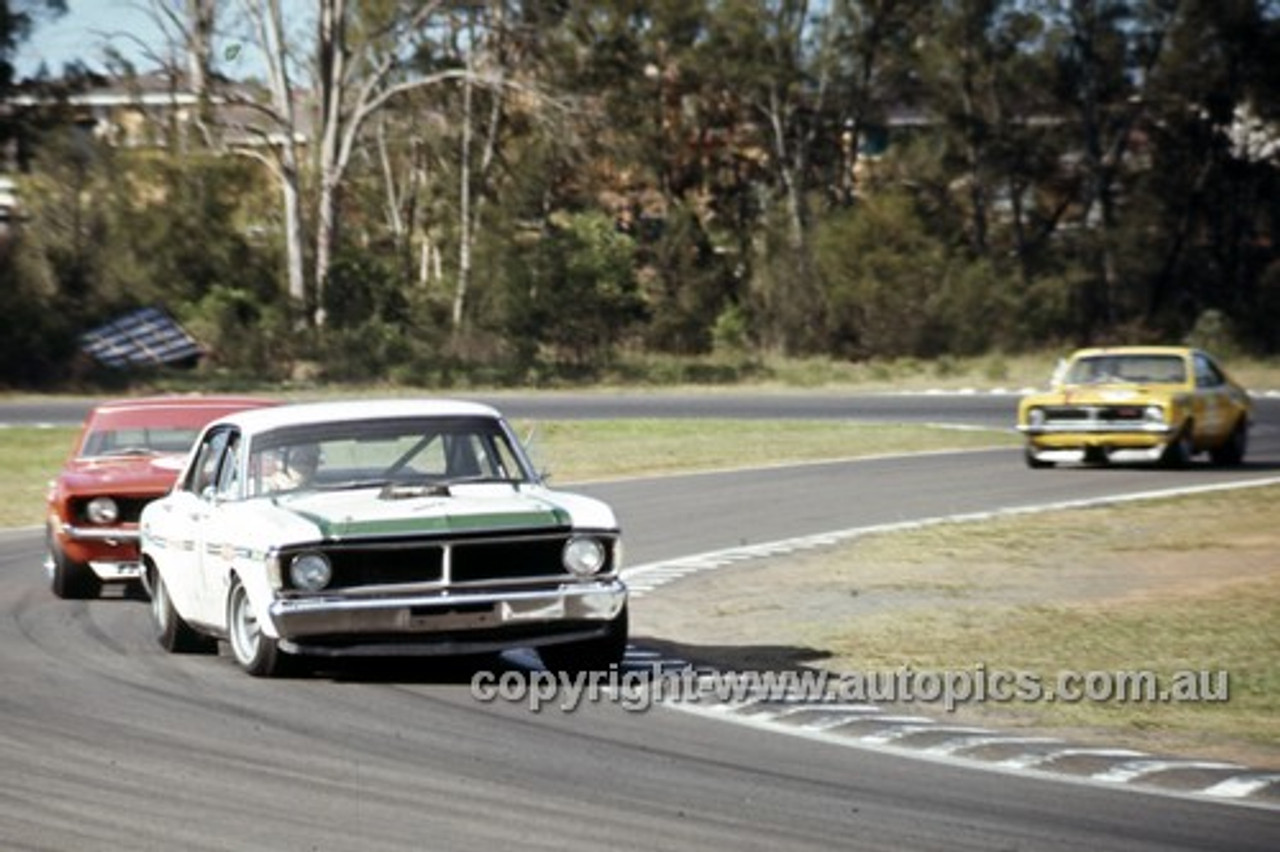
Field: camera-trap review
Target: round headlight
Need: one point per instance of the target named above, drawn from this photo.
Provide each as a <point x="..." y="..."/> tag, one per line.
<point x="102" y="510"/>
<point x="1036" y="417"/>
<point x="310" y="571"/>
<point x="1154" y="413"/>
<point x="584" y="556"/>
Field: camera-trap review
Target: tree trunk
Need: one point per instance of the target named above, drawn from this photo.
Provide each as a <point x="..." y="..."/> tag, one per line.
<point x="464" y="207"/>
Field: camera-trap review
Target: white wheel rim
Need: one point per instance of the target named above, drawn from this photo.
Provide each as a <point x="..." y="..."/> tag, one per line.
<point x="160" y="603"/>
<point x="245" y="634"/>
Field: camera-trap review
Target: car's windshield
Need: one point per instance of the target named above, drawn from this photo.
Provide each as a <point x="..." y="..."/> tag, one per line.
<point x="401" y="452"/>
<point x="138" y="440"/>
<point x="1130" y="369"/>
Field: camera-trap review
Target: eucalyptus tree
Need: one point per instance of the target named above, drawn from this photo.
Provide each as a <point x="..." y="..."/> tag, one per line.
<point x="323" y="89"/>
<point x="1213" y="189"/>
<point x="1110" y="54"/>
<point x="978" y="65"/>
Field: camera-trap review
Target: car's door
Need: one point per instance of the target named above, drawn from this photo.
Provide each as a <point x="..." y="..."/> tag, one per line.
<point x="182" y="520"/>
<point x="221" y="533"/>
<point x="1212" y="407"/>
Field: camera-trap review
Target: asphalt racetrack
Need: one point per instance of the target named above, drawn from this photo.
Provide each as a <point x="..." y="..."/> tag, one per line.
<point x="106" y="742"/>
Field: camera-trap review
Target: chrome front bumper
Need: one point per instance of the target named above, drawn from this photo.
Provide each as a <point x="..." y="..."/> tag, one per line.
<point x="342" y="623"/>
<point x="107" y="570"/>
<point x="1122" y="455"/>
<point x="109" y="534"/>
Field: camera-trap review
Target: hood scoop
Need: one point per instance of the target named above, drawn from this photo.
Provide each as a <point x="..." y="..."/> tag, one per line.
<point x="402" y="491"/>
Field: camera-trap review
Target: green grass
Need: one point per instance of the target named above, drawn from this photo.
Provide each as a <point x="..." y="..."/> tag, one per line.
<point x="572" y="451"/>
<point x="581" y="450"/>
<point x="29" y="458"/>
<point x="1161" y="586"/>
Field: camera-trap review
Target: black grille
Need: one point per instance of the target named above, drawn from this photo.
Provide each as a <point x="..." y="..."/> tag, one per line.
<point x="130" y="508"/>
<point x="471" y="561"/>
<point x="383" y="566"/>
<point x="1096" y="413"/>
<point x="1120" y="413"/>
<point x="1066" y="413"/>
<point x="494" y="560"/>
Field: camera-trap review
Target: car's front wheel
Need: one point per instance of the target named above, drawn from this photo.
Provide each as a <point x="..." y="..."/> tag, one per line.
<point x="1034" y="461"/>
<point x="67" y="578"/>
<point x="589" y="655"/>
<point x="1232" y="452"/>
<point x="257" y="653"/>
<point x="172" y="631"/>
<point x="1181" y="449"/>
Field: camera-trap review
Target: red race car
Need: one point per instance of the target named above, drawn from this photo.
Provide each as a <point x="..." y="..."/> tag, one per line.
<point x="128" y="454"/>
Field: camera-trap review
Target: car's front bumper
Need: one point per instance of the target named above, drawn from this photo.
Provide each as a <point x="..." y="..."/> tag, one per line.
<point x="111" y="552"/>
<point x="457" y="622"/>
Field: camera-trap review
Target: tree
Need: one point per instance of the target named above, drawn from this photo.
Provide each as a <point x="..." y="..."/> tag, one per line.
<point x="1215" y="175"/>
<point x="17" y="19"/>
<point x="1109" y="54"/>
<point x="574" y="292"/>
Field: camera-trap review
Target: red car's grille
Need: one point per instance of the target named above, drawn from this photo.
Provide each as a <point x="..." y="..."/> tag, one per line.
<point x="129" y="508"/>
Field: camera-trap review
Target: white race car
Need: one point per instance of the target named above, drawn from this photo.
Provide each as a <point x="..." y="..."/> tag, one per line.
<point x="379" y="527"/>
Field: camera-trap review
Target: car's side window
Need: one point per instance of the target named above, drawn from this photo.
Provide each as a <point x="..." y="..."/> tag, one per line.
<point x="205" y="469"/>
<point x="229" y="470"/>
<point x="1207" y="374"/>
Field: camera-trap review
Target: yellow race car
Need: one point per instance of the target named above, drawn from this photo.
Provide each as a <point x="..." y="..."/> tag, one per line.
<point x="1137" y="403"/>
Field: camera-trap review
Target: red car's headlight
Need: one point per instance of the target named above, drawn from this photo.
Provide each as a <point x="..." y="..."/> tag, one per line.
<point x="102" y="510"/>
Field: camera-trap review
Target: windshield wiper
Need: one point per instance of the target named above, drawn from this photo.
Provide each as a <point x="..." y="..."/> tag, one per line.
<point x="352" y="485"/>
<point x="480" y="479"/>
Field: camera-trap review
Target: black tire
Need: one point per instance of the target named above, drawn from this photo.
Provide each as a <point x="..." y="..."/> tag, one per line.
<point x="1232" y="452"/>
<point x="1034" y="463"/>
<point x="589" y="655"/>
<point x="256" y="653"/>
<point x="69" y="579"/>
<point x="172" y="632"/>
<point x="1180" y="450"/>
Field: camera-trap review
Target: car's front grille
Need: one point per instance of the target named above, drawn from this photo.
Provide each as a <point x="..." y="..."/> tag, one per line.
<point x="494" y="560"/>
<point x="130" y="508"/>
<point x="475" y="560"/>
<point x="386" y="566"/>
<point x="1060" y="415"/>
<point x="1094" y="413"/>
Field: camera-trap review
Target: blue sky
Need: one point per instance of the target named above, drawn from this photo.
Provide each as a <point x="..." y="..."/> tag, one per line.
<point x="81" y="33"/>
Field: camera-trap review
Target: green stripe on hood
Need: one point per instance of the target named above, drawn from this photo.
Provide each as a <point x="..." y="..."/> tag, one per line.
<point x="550" y="516"/>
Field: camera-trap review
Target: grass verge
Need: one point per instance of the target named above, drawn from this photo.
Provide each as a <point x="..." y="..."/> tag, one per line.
<point x="29" y="458"/>
<point x="574" y="451"/>
<point x="581" y="450"/>
<point x="1169" y="586"/>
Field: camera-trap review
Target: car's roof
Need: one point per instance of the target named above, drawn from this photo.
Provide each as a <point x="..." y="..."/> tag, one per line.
<point x="1180" y="351"/>
<point x="186" y="401"/>
<point x="311" y="413"/>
